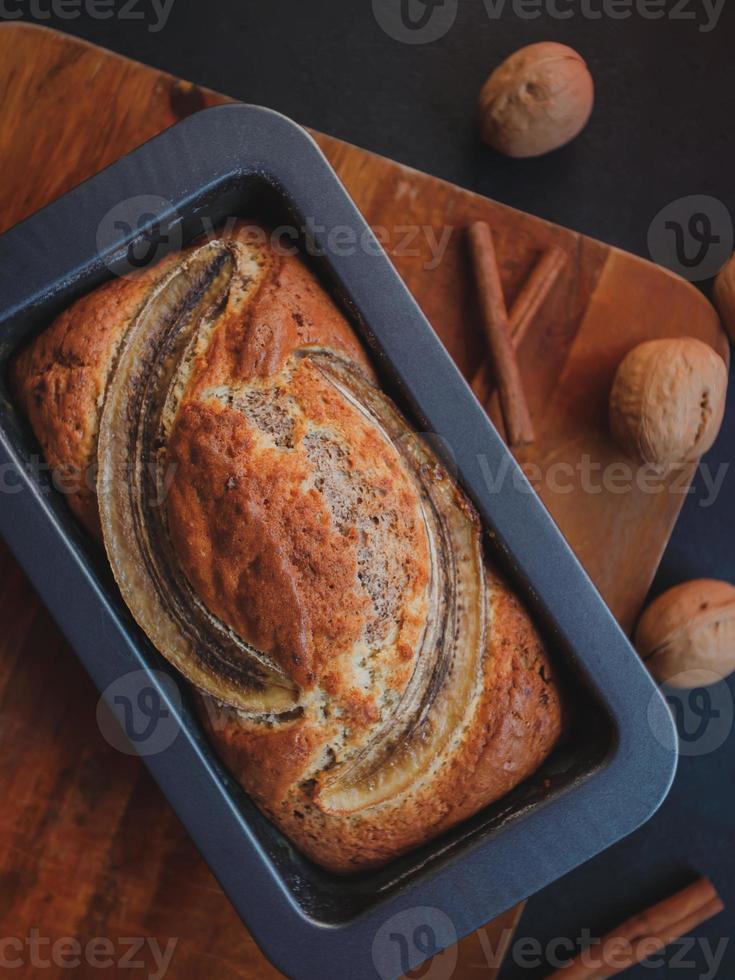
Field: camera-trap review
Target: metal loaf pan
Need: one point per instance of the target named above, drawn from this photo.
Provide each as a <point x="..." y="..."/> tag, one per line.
<point x="613" y="770"/>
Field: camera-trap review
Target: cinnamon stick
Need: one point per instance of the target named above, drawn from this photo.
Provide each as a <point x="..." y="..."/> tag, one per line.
<point x="523" y="312"/>
<point x="535" y="290"/>
<point x="645" y="934"/>
<point x="513" y="402"/>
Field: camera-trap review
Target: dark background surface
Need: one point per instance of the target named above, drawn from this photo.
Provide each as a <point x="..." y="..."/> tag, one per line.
<point x="662" y="129"/>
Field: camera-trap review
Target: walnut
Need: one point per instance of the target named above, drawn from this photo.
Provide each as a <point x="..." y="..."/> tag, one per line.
<point x="725" y="296"/>
<point x="667" y="401"/>
<point x="540" y="98"/>
<point x="687" y="635"/>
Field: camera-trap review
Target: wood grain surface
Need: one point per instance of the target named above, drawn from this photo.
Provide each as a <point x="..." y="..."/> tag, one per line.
<point x="88" y="846"/>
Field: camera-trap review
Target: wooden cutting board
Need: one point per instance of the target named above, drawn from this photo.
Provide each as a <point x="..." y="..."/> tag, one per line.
<point x="88" y="846"/>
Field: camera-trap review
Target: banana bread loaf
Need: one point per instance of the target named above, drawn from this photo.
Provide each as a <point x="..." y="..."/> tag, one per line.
<point x="293" y="548"/>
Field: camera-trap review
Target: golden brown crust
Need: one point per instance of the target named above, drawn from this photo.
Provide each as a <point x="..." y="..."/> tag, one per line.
<point x="260" y="553"/>
<point x="288" y="311"/>
<point x="299" y="525"/>
<point x="60" y="381"/>
<point x="516" y="722"/>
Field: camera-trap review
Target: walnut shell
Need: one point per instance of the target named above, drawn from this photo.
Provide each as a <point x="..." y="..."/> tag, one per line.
<point x="687" y="635"/>
<point x="725" y="296"/>
<point x="537" y="100"/>
<point x="668" y="400"/>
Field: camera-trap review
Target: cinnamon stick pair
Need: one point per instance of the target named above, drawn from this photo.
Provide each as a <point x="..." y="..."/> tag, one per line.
<point x="523" y="312"/>
<point x="646" y="934"/>
<point x="504" y="334"/>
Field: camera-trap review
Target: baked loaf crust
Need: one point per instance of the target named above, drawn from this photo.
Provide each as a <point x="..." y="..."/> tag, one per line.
<point x="293" y="548"/>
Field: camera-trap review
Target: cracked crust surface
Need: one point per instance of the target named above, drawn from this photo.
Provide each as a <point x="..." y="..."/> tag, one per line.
<point x="298" y="525"/>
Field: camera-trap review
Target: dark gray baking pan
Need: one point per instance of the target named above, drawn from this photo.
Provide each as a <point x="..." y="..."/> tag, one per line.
<point x="614" y="768"/>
